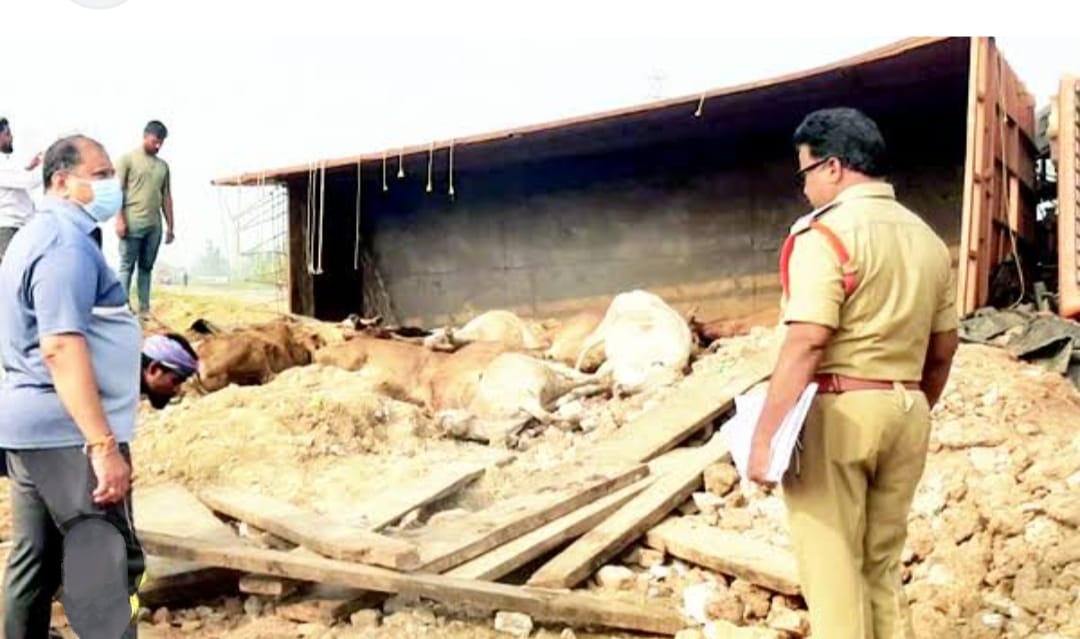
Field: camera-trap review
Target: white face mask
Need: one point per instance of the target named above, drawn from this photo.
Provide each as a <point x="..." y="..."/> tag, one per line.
<point x="107" y="199"/>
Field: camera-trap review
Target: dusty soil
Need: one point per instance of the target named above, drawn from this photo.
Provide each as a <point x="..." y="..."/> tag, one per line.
<point x="993" y="549"/>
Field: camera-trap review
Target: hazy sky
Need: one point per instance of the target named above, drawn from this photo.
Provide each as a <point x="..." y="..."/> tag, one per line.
<point x="260" y="95"/>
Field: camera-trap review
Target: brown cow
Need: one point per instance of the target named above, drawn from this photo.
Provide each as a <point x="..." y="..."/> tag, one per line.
<point x="453" y="383"/>
<point x="484" y="391"/>
<point x="398" y="369"/>
<point x="253" y="355"/>
<point x="568" y="340"/>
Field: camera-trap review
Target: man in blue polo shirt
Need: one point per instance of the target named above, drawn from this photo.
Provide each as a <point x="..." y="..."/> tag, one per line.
<point x="71" y="351"/>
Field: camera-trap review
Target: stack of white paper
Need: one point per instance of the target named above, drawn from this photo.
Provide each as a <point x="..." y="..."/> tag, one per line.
<point x="739" y="431"/>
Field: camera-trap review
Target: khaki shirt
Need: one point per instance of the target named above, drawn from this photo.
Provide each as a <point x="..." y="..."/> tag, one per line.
<point x="905" y="286"/>
<point x="145" y="181"/>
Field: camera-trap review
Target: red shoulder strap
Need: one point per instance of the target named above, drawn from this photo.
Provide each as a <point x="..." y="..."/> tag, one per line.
<point x="837" y="245"/>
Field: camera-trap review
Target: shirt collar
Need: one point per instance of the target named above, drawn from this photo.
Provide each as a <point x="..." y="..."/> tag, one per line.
<point x="69" y="211"/>
<point x="867" y="189"/>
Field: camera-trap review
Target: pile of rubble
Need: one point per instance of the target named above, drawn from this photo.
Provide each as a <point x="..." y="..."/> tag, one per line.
<point x="993" y="547"/>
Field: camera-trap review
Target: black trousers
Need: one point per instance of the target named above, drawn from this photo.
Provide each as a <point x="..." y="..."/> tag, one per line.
<point x="6" y="233"/>
<point x="62" y="538"/>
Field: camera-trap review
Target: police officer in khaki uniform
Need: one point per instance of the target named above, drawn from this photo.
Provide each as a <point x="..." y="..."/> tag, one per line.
<point x="870" y="315"/>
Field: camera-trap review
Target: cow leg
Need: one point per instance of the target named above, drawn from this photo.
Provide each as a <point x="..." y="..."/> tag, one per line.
<point x="581" y="392"/>
<point x="572" y="375"/>
<point x="535" y="410"/>
<point x="591" y="342"/>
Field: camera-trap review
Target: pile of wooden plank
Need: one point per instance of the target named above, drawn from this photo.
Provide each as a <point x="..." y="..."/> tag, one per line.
<point x="626" y="490"/>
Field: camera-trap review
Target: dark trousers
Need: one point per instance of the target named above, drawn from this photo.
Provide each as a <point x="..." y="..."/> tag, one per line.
<point x="138" y="251"/>
<point x="6" y="233"/>
<point x="51" y="499"/>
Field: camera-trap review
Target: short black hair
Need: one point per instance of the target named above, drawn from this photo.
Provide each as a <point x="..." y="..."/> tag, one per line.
<point x="156" y="129"/>
<point x="4" y="126"/>
<point x="64" y="155"/>
<point x="845" y="134"/>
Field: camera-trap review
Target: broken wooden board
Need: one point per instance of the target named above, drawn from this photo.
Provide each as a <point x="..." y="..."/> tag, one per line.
<point x="392" y="505"/>
<point x="548" y="606"/>
<point x="507" y="558"/>
<point x="729" y="553"/>
<point x="312" y="603"/>
<point x="446" y="546"/>
<point x="173" y="509"/>
<point x="314" y="531"/>
<point x="699" y="400"/>
<point x="583" y="557"/>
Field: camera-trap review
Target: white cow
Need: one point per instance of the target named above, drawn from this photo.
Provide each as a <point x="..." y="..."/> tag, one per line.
<point x="492" y="326"/>
<point x="646" y="342"/>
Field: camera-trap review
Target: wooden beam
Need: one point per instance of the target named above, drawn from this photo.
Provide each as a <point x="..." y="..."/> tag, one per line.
<point x="301" y="285"/>
<point x="604" y="542"/>
<point x="974" y="174"/>
<point x="446" y="546"/>
<point x="1065" y="147"/>
<point x="312" y="603"/>
<point x="309" y="529"/>
<point x="576" y="609"/>
<point x="507" y="558"/>
<point x="728" y="553"/>
<point x="391" y="505"/>
<point x="698" y="401"/>
<point x="171" y="508"/>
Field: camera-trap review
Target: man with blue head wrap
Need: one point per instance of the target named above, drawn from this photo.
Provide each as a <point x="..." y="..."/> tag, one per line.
<point x="167" y="362"/>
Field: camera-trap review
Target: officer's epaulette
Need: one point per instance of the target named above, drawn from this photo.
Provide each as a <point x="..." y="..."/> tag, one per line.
<point x="803" y="223"/>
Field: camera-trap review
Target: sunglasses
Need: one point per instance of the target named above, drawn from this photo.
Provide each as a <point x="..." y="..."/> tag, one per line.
<point x="800" y="175"/>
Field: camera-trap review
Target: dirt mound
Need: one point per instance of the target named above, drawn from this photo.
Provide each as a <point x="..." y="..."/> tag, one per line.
<point x="276" y="435"/>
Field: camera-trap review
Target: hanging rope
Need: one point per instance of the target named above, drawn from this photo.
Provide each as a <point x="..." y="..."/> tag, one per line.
<point x="430" y="159"/>
<point x="385" y="188"/>
<point x="322" y="216"/>
<point x="451" y="191"/>
<point x="700" y="106"/>
<point x="401" y="163"/>
<point x="356" y="243"/>
<point x="311" y="218"/>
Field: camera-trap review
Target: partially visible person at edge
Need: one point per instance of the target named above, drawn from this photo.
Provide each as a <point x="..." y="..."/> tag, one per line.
<point x="145" y="181"/>
<point x="877" y="331"/>
<point x="71" y="349"/>
<point x="168" y="361"/>
<point x="16" y="183"/>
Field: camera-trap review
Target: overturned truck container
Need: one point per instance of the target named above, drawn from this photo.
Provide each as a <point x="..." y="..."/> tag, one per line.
<point x="688" y="197"/>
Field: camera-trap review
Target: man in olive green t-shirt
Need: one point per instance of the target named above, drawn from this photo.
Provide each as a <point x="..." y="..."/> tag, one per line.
<point x="144" y="177"/>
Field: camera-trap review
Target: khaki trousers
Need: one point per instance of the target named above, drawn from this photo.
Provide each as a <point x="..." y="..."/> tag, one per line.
<point x="863" y="455"/>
